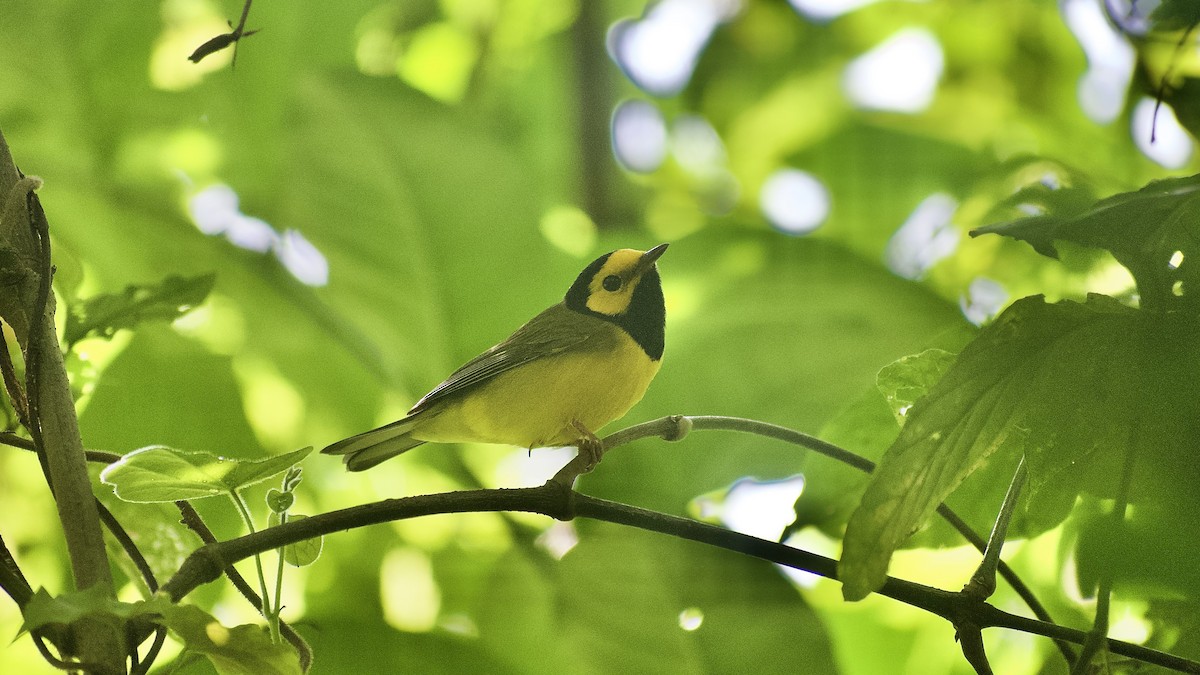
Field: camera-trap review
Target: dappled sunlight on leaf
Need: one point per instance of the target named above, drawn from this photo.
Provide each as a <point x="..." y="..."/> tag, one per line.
<point x="410" y="594"/>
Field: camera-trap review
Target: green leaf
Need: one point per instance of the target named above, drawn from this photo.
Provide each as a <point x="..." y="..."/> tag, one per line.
<point x="301" y="553"/>
<point x="1154" y="232"/>
<point x="162" y="474"/>
<point x="103" y="315"/>
<point x="1172" y="15"/>
<point x="242" y="650"/>
<point x="1059" y="380"/>
<point x="906" y="380"/>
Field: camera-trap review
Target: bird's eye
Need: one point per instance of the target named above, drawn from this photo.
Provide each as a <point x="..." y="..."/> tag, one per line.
<point x="611" y="283"/>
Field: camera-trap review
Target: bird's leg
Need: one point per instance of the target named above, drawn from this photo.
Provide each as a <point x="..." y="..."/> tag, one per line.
<point x="589" y="445"/>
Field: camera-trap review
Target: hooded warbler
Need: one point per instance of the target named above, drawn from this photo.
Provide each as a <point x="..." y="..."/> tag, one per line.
<point x="554" y="382"/>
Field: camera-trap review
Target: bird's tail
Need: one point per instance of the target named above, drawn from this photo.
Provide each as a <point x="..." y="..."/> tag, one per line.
<point x="372" y="447"/>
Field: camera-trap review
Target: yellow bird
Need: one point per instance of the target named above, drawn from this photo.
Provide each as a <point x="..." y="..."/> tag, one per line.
<point x="554" y="382"/>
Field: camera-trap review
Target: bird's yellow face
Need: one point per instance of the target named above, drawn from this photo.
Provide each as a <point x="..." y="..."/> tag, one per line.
<point x="623" y="287"/>
<point x="611" y="288"/>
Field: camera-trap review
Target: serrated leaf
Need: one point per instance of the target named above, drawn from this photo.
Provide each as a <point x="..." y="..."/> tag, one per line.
<point x="1172" y="15"/>
<point x="302" y="553"/>
<point x="1147" y="231"/>
<point x="1058" y="380"/>
<point x="906" y="380"/>
<point x="242" y="650"/>
<point x="162" y="474"/>
<point x="103" y="315"/>
<point x="63" y="610"/>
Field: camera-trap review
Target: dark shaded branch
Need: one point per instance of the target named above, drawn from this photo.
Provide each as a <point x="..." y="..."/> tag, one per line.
<point x="12" y="580"/>
<point x="12" y="384"/>
<point x="206" y="564"/>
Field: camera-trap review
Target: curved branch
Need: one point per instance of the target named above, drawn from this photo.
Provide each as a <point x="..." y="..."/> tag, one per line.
<point x="675" y="427"/>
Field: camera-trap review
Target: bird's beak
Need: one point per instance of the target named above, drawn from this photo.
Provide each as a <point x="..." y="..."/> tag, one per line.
<point x="650" y="257"/>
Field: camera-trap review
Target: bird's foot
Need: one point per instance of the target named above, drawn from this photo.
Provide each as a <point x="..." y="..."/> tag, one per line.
<point x="591" y="448"/>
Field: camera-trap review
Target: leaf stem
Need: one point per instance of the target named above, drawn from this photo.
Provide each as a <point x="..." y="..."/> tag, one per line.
<point x="273" y="620"/>
<point x="244" y="510"/>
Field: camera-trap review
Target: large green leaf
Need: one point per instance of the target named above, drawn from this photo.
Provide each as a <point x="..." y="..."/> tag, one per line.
<point x="1075" y="386"/>
<point x="1152" y="231"/>
<point x="162" y="474"/>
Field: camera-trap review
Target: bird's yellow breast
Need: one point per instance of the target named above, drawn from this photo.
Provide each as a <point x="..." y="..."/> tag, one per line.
<point x="536" y="404"/>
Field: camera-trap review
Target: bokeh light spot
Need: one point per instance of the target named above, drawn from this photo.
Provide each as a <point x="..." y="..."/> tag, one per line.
<point x="569" y="229"/>
<point x="1110" y="60"/>
<point x="691" y="618"/>
<point x="187" y="25"/>
<point x="795" y="202"/>
<point x="659" y="51"/>
<point x="925" y="238"/>
<point x="302" y="259"/>
<point x="1171" y="146"/>
<point x="983" y="300"/>
<point x="439" y="61"/>
<point x="899" y="75"/>
<point x="639" y="136"/>
<point x="758" y="508"/>
<point x="826" y="10"/>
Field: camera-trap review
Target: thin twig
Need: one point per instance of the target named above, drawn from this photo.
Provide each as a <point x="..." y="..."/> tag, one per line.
<point x="1099" y="630"/>
<point x="131" y="549"/>
<point x="224" y="40"/>
<point x="12" y="579"/>
<point x="1162" y="83"/>
<point x="143" y="667"/>
<point x="12" y="384"/>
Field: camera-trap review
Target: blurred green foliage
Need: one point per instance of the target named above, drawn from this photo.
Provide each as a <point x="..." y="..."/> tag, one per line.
<point x="440" y="158"/>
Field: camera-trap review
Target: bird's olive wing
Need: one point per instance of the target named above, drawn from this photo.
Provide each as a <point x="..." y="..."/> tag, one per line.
<point x="554" y="331"/>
